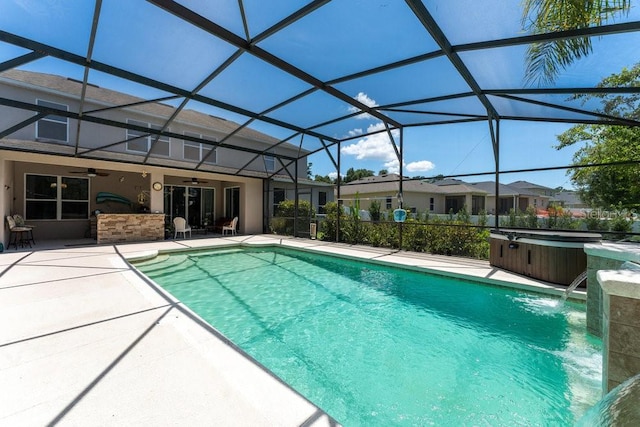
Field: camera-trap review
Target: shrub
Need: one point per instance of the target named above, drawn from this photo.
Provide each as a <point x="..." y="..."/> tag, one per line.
<point x="283" y="221"/>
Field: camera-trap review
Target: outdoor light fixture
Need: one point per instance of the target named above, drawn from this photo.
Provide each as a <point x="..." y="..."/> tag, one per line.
<point x="91" y="173"/>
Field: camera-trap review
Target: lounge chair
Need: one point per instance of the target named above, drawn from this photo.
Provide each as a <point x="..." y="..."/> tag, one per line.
<point x="230" y="227"/>
<point x="181" y="226"/>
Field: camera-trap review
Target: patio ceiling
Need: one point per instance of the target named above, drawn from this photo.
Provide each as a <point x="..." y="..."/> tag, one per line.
<point x="307" y="73"/>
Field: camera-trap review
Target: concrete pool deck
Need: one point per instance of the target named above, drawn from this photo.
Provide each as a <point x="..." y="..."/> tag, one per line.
<point x="87" y="340"/>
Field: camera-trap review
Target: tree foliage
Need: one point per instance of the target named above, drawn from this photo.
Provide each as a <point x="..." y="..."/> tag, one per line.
<point x="613" y="150"/>
<point x="356" y="174"/>
<point x="546" y="59"/>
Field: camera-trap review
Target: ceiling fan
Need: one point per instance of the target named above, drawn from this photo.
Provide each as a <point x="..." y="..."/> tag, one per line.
<point x="196" y="181"/>
<point x="91" y="172"/>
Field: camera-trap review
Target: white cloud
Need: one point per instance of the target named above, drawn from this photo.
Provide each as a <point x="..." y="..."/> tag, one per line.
<point x="333" y="175"/>
<point x="420" y="166"/>
<point x="375" y="147"/>
<point x="355" y="132"/>
<point x="364" y="99"/>
<point x="378" y="147"/>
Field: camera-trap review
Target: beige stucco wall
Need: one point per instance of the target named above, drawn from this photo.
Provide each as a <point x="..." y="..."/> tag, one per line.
<point x="125" y="180"/>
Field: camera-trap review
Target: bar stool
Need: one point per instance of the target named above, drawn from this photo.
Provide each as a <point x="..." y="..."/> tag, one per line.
<point x="22" y="235"/>
<point x="20" y="223"/>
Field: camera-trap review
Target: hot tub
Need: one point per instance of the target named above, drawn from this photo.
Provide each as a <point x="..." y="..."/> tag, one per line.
<point x="552" y="256"/>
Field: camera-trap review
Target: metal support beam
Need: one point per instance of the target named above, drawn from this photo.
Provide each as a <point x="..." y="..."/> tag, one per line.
<point x="494" y="130"/>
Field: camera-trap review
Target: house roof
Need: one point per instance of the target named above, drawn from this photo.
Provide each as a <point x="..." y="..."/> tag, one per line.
<point x="67" y="86"/>
<point x="504" y="189"/>
<point x="528" y="185"/>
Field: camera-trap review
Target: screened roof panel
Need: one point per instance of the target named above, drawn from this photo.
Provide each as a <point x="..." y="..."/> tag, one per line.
<point x="419" y="118"/>
<point x="263" y="85"/>
<point x="467" y="105"/>
<point x="61" y="24"/>
<point x="515" y="108"/>
<point x="434" y="77"/>
<point x="261" y="14"/>
<point x="224" y="12"/>
<point x="9" y="51"/>
<point x="117" y="84"/>
<point x="56" y="67"/>
<point x="469" y="21"/>
<point x="278" y="132"/>
<point x="311" y="110"/>
<point x="344" y="37"/>
<point x="348" y="127"/>
<point x="157" y="45"/>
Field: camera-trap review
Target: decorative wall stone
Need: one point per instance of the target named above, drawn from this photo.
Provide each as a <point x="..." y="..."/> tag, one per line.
<point x="594" y="291"/>
<point x="114" y="228"/>
<point x="621" y="318"/>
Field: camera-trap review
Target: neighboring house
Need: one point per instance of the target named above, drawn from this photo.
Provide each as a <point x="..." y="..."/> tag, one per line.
<point x="57" y="172"/>
<point x="569" y="199"/>
<point x="511" y="197"/>
<point x="417" y="195"/>
<point x="441" y="197"/>
<point x="532" y="188"/>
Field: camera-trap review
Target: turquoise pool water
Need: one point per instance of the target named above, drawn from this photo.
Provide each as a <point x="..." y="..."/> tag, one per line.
<point x="373" y="345"/>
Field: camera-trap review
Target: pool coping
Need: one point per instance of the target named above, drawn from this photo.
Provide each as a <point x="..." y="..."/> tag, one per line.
<point x="87" y="338"/>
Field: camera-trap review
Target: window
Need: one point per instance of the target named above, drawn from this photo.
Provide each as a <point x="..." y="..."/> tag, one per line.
<point x="52" y="127"/>
<point x="389" y="202"/>
<point x="279" y="195"/>
<point x="162" y="145"/>
<point x="269" y="163"/>
<point x="56" y="197"/>
<point x="140" y="141"/>
<point x="197" y="151"/>
<point x="432" y="204"/>
<point x="322" y="201"/>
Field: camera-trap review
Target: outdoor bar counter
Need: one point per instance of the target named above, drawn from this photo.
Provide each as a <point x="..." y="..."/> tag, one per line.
<point x="552" y="256"/>
<point x="129" y="227"/>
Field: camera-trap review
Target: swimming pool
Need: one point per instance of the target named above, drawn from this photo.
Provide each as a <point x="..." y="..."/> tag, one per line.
<point x="374" y="345"/>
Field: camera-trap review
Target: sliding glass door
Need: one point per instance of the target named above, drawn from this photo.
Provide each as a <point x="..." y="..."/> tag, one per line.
<point x="195" y="204"/>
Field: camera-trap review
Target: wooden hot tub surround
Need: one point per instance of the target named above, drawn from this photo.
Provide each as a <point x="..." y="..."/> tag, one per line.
<point x="552" y="256"/>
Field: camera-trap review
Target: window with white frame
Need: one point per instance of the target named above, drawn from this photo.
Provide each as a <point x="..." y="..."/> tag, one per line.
<point x="56" y="197"/>
<point x="197" y="151"/>
<point x="140" y="141"/>
<point x="269" y="163"/>
<point x="432" y="204"/>
<point x="162" y="147"/>
<point x="52" y="127"/>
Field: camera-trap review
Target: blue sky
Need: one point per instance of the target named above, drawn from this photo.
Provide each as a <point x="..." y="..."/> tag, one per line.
<point x="341" y="38"/>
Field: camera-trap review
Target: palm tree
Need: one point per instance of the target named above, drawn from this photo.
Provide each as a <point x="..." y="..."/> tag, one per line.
<point x="545" y="60"/>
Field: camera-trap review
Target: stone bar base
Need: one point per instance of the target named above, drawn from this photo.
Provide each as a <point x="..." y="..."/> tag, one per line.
<point x="621" y="319"/>
<point x="112" y="228"/>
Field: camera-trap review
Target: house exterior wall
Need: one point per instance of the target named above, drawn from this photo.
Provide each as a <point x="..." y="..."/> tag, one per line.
<point x="125" y="179"/>
<point x="419" y="201"/>
<point x="93" y="135"/>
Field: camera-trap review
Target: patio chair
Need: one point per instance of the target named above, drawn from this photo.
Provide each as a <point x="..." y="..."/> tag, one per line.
<point x="18" y="234"/>
<point x="230" y="227"/>
<point x="181" y="226"/>
<point x="20" y="223"/>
